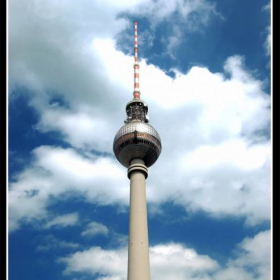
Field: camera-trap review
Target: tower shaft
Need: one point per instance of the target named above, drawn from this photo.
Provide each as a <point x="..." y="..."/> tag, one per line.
<point x="138" y="247"/>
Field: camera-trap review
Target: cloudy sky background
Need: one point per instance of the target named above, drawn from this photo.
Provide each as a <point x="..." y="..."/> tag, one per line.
<point x="205" y="75"/>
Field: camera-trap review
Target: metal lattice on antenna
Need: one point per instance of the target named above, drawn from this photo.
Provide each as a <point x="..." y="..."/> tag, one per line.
<point x="136" y="93"/>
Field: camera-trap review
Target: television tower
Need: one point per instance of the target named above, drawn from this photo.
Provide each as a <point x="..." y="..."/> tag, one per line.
<point x="137" y="146"/>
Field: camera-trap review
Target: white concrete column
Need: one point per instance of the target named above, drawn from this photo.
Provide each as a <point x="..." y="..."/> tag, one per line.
<point x="138" y="247"/>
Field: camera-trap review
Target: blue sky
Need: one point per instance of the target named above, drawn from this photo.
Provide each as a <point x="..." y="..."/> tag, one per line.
<point x="205" y="74"/>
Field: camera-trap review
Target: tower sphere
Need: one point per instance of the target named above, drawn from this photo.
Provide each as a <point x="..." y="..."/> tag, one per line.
<point x="137" y="139"/>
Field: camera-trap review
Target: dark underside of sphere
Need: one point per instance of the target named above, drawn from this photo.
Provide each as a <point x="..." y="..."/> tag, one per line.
<point x="137" y="140"/>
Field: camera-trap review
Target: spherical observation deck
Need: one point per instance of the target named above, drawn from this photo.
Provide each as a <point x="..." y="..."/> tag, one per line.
<point x="137" y="139"/>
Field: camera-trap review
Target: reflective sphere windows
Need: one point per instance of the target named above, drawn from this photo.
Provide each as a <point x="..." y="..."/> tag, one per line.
<point x="137" y="140"/>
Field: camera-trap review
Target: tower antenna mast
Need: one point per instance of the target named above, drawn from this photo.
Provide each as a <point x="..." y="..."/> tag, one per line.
<point x="136" y="93"/>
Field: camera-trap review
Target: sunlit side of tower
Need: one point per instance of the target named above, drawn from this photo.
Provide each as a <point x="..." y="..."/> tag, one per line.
<point x="137" y="146"/>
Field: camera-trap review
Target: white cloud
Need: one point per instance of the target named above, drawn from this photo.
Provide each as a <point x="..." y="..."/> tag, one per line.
<point x="218" y="155"/>
<point x="170" y="261"/>
<point x="63" y="221"/>
<point x="214" y="129"/>
<point x="182" y="17"/>
<point x="97" y="261"/>
<point x="24" y="202"/>
<point x="268" y="41"/>
<point x="164" y="10"/>
<point x="175" y="261"/>
<point x="94" y="229"/>
<point x="167" y="261"/>
<point x="49" y="48"/>
<point x="214" y="126"/>
<point x="232" y="273"/>
<point x="50" y="242"/>
<point x="252" y="261"/>
<point x="56" y="171"/>
<point x="255" y="253"/>
<point x="50" y="43"/>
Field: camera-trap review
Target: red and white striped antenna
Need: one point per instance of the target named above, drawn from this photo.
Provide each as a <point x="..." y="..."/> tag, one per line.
<point x="136" y="92"/>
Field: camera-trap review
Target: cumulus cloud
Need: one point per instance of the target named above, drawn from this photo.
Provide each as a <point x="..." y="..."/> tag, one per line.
<point x="63" y="221"/>
<point x="222" y="149"/>
<point x="164" y="10"/>
<point x="214" y="126"/>
<point x="50" y="242"/>
<point x="50" y="43"/>
<point x="56" y="171"/>
<point x="253" y="259"/>
<point x="94" y="229"/>
<point x="268" y="41"/>
<point x="166" y="262"/>
<point x="255" y="253"/>
<point x="47" y="39"/>
<point x="176" y="261"/>
<point x="97" y="261"/>
<point x="215" y="130"/>
<point x="170" y="261"/>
